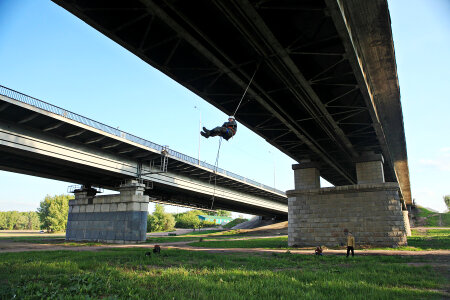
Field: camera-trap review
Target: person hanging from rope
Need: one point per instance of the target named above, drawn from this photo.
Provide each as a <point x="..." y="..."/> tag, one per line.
<point x="227" y="130"/>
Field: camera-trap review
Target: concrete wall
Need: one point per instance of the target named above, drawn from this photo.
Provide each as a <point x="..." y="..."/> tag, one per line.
<point x="119" y="218"/>
<point x="370" y="172"/>
<point x="372" y="212"/>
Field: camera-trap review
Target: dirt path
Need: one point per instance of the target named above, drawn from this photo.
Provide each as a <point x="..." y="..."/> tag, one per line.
<point x="10" y="246"/>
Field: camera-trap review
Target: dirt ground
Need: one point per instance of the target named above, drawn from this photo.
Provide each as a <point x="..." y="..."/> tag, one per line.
<point x="10" y="246"/>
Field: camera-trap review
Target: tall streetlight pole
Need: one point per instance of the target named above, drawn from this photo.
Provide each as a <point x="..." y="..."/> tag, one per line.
<point x="199" y="129"/>
<point x="273" y="160"/>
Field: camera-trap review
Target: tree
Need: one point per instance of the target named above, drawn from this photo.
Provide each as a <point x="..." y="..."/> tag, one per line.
<point x="3" y="220"/>
<point x="219" y="212"/>
<point x="188" y="219"/>
<point x="223" y="213"/>
<point x="160" y="220"/>
<point x="447" y="201"/>
<point x="21" y="222"/>
<point x="53" y="212"/>
<point x="13" y="218"/>
<point x="10" y="220"/>
<point x="32" y="220"/>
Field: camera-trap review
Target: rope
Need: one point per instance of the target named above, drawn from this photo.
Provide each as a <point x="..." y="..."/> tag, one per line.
<point x="215" y="173"/>
<point x="245" y="92"/>
<point x="220" y="141"/>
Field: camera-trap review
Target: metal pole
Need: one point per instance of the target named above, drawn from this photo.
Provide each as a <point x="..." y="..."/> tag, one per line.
<point x="199" y="129"/>
<point x="199" y="135"/>
<point x="273" y="160"/>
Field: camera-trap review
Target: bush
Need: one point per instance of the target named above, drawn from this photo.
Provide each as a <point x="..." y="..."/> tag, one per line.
<point x="160" y="220"/>
<point x="188" y="219"/>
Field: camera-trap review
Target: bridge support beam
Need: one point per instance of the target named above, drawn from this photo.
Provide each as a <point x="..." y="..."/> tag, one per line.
<point x="370" y="209"/>
<point x="118" y="218"/>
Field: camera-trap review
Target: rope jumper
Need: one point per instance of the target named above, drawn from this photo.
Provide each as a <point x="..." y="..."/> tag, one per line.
<point x="220" y="141"/>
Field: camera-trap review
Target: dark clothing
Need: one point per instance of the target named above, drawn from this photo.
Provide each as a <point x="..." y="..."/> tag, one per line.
<point x="348" y="251"/>
<point x="231" y="125"/>
<point x="318" y="251"/>
<point x="227" y="130"/>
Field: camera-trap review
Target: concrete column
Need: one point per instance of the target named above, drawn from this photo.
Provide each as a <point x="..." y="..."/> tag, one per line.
<point x="406" y="221"/>
<point x="369" y="168"/>
<point x="372" y="212"/>
<point x="370" y="209"/>
<point x="117" y="218"/>
<point x="306" y="175"/>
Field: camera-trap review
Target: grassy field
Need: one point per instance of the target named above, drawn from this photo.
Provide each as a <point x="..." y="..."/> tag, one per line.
<point x="431" y="239"/>
<point x="178" y="274"/>
<point x="428" y="218"/>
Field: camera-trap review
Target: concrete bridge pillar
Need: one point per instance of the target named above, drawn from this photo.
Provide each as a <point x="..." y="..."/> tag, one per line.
<point x="306" y="175"/>
<point x="117" y="218"/>
<point x="370" y="209"/>
<point x="369" y="168"/>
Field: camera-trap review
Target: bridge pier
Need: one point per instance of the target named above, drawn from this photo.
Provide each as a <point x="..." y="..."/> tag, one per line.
<point x="118" y="218"/>
<point x="370" y="209"/>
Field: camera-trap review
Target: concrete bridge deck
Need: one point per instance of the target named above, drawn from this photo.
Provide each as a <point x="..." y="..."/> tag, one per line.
<point x="40" y="139"/>
<point x="326" y="87"/>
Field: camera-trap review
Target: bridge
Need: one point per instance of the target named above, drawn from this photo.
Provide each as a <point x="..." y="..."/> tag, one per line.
<point x="326" y="88"/>
<point x="44" y="140"/>
<point x="325" y="92"/>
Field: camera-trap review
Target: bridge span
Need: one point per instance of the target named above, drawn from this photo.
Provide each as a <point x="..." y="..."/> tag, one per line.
<point x="326" y="88"/>
<point x="40" y="139"/>
<point x="325" y="93"/>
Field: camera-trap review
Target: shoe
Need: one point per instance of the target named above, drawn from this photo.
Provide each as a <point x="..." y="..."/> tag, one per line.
<point x="204" y="134"/>
<point x="205" y="130"/>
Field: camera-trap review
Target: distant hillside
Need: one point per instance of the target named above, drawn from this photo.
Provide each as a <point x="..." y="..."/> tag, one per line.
<point x="234" y="222"/>
<point x="423" y="217"/>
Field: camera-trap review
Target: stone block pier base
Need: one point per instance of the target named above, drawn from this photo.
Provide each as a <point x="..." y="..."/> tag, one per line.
<point x="119" y="218"/>
<point x="371" y="210"/>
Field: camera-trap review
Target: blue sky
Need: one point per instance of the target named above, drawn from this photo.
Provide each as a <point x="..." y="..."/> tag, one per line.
<point x="49" y="54"/>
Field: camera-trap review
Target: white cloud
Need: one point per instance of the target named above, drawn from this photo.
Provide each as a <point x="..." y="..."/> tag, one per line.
<point x="441" y="162"/>
<point x="445" y="150"/>
<point x="430" y="199"/>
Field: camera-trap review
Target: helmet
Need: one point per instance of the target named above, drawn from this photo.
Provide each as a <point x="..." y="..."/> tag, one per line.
<point x="231" y="117"/>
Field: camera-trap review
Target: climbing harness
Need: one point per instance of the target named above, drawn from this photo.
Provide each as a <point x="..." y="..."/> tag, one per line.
<point x="220" y="141"/>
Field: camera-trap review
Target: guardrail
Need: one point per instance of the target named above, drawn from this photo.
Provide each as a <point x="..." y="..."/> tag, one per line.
<point x="114" y="131"/>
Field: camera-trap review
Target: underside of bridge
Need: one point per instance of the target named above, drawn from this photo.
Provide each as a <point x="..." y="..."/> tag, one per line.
<point x="325" y="88"/>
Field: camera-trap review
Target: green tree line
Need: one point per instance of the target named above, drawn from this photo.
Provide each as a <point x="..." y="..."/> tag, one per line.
<point x="15" y="220"/>
<point x="51" y="216"/>
<point x="163" y="221"/>
<point x="53" y="211"/>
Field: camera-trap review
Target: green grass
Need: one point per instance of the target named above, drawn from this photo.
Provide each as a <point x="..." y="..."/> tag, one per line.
<point x="446" y="219"/>
<point x="193" y="238"/>
<point x="271" y="243"/>
<point x="201" y="232"/>
<point x="431" y="239"/>
<point x="35" y="239"/>
<point x="177" y="274"/>
<point x="432" y="218"/>
<point x="235" y="222"/>
<point x="433" y="221"/>
<point x="423" y="212"/>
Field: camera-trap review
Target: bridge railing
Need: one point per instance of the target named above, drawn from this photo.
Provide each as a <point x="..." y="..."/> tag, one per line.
<point x="119" y="133"/>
